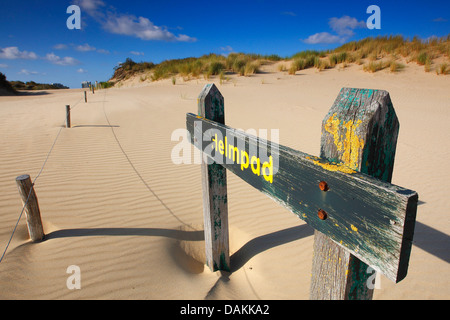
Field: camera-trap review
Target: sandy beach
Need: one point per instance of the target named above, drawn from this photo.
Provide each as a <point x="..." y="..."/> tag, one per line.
<point x="114" y="204"/>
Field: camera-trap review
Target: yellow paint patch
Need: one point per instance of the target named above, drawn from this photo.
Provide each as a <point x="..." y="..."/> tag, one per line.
<point x="354" y="228"/>
<point x="332" y="166"/>
<point x="346" y="142"/>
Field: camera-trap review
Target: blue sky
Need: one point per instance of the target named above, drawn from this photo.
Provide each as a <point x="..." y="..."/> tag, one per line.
<point x="35" y="43"/>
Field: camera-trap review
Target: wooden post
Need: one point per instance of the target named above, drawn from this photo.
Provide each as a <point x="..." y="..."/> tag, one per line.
<point x="85" y="97"/>
<point x="214" y="182"/>
<point x="29" y="200"/>
<point x="360" y="130"/>
<point x="67" y="116"/>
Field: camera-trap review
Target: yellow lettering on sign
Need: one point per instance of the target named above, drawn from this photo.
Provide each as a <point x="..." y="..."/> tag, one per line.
<point x="221" y="147"/>
<point x="268" y="167"/>
<point x="244" y="164"/>
<point x="242" y="157"/>
<point x="258" y="162"/>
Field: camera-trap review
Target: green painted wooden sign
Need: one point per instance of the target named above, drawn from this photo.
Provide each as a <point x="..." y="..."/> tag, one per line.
<point x="372" y="219"/>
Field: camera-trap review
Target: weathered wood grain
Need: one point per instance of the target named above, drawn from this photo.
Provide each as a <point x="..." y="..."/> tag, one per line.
<point x="364" y="215"/>
<point x="214" y="184"/>
<point x="67" y="116"/>
<point x="360" y="130"/>
<point x="32" y="212"/>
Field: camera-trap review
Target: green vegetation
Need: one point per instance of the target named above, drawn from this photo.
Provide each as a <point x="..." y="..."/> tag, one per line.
<point x="416" y="50"/>
<point x="442" y="69"/>
<point x="106" y="84"/>
<point x="5" y="85"/>
<point x="31" y="85"/>
<point x="373" y="53"/>
<point x="13" y="86"/>
<point x="129" y="68"/>
<point x="395" y="66"/>
<point x="375" y="66"/>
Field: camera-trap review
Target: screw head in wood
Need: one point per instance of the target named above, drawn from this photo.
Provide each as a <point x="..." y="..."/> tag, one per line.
<point x="322" y="214"/>
<point x="323" y="186"/>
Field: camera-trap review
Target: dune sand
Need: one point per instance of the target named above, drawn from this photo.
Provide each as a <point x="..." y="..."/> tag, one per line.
<point x="115" y="205"/>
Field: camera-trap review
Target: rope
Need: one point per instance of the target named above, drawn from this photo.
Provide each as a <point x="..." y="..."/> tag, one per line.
<point x="32" y="186"/>
<point x="137" y="172"/>
<point x="123" y="151"/>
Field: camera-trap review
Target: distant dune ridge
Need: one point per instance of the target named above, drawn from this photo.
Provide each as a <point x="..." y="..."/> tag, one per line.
<point x="389" y="52"/>
<point x="11" y="87"/>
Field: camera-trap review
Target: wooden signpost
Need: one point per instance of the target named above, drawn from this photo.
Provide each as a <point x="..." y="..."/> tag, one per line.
<point x="345" y="195"/>
<point x="214" y="182"/>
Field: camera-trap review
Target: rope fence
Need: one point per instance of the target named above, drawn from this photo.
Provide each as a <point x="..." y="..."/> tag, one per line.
<point x="28" y="195"/>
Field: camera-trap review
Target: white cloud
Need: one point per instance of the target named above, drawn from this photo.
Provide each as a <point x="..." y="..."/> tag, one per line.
<point x="60" y="46"/>
<point x="85" y="47"/>
<point x="2" y="65"/>
<point x="141" y="28"/>
<point x="226" y="48"/>
<point x="66" y="61"/>
<point x="103" y="51"/>
<point x="81" y="70"/>
<point x="15" y="53"/>
<point x="137" y="53"/>
<point x="322" y="37"/>
<point x="27" y="72"/>
<point x="129" y="25"/>
<point x="343" y="27"/>
<point x="90" y="6"/>
<point x="82" y="48"/>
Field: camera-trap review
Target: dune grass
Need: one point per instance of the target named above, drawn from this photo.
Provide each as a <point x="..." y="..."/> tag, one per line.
<point x="373" y="53"/>
<point x="442" y="69"/>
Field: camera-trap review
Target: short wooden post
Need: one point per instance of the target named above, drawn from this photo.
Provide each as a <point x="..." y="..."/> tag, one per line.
<point x="67" y="116"/>
<point x="214" y="182"/>
<point x="360" y="130"/>
<point x="85" y="97"/>
<point x="29" y="200"/>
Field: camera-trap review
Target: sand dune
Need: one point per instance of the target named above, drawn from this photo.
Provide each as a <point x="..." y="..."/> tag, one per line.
<point x="114" y="204"/>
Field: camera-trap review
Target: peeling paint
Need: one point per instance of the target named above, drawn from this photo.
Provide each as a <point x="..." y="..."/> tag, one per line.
<point x="346" y="142"/>
<point x="332" y="166"/>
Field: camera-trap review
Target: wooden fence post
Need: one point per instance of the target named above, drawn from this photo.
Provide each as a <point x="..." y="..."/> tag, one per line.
<point x="85" y="97"/>
<point x="214" y="183"/>
<point x="360" y="130"/>
<point x="29" y="200"/>
<point x="67" y="116"/>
